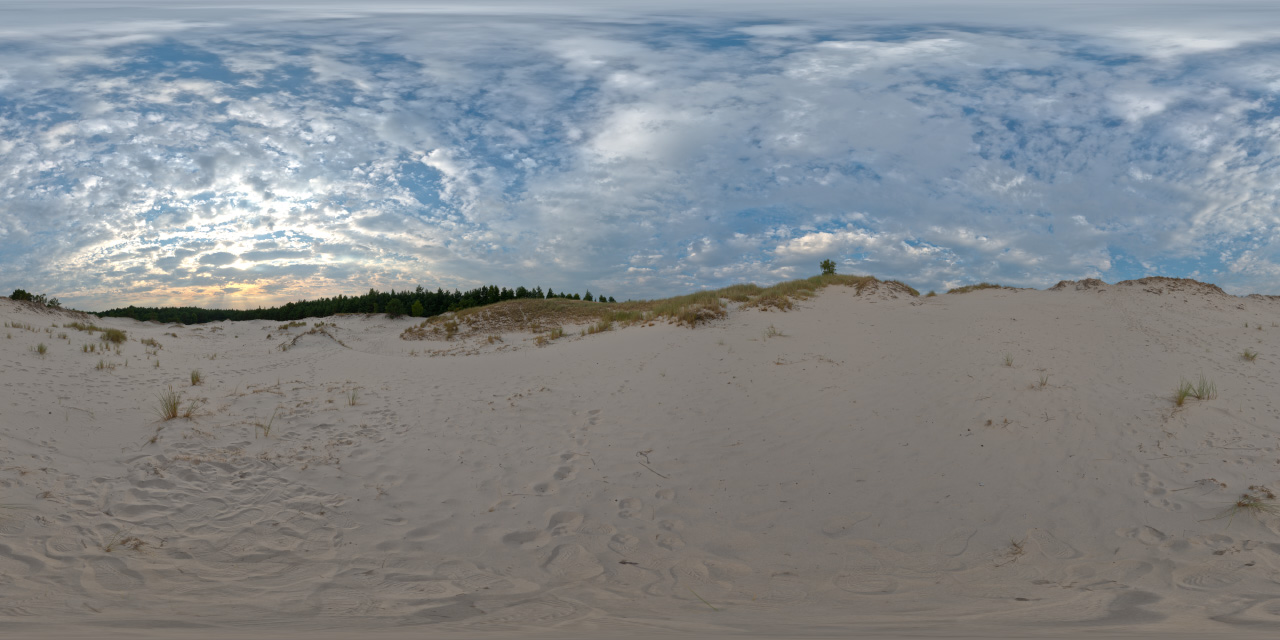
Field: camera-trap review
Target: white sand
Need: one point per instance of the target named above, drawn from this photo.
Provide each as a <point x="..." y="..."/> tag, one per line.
<point x="876" y="469"/>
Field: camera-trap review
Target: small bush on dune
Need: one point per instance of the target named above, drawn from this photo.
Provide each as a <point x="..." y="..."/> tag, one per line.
<point x="114" y="336"/>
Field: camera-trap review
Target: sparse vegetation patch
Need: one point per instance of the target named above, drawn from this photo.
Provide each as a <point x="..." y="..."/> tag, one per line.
<point x="976" y="287"/>
<point x="1202" y="389"/>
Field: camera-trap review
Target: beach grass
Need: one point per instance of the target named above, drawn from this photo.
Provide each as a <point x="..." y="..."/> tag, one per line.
<point x="1202" y="389"/>
<point x="169" y="404"/>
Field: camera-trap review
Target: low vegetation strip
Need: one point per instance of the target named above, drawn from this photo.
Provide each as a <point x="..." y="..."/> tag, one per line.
<point x="548" y="315"/>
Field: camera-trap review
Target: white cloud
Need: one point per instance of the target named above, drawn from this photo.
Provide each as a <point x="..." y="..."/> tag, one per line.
<point x="462" y="150"/>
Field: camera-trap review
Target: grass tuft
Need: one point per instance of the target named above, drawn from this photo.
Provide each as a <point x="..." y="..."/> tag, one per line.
<point x="1203" y="389"/>
<point x="114" y="336"/>
<point x="604" y="325"/>
<point x="265" y="428"/>
<point x="195" y="377"/>
<point x="1008" y="360"/>
<point x="1258" y="501"/>
<point x="42" y="349"/>
<point x="1249" y="355"/>
<point x="169" y="403"/>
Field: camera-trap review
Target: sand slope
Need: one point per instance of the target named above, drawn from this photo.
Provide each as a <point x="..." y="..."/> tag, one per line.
<point x="876" y="467"/>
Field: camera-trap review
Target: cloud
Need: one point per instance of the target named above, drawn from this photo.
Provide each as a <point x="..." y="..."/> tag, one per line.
<point x="327" y="151"/>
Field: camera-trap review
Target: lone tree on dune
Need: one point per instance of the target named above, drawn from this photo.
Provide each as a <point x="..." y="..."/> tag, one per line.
<point x="828" y="268"/>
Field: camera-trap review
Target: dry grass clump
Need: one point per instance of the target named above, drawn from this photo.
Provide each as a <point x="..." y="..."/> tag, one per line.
<point x="1257" y="501"/>
<point x="80" y="326"/>
<point x="603" y="325"/>
<point x="196" y="377"/>
<point x="1203" y="389"/>
<point x="975" y="287"/>
<point x="1249" y="354"/>
<point x="151" y="342"/>
<point x="114" y="336"/>
<point x="42" y="349"/>
<point x="122" y="540"/>
<point x="265" y="427"/>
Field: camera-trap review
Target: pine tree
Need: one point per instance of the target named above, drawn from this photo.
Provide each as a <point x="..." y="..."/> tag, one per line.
<point x="588" y="297"/>
<point x="395" y="308"/>
<point x="416" y="310"/>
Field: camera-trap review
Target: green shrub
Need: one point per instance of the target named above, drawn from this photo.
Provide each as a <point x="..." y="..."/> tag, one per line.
<point x="395" y="308"/>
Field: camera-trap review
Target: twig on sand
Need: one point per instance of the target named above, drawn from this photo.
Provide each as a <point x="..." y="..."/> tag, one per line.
<point x="655" y="472"/>
<point x="695" y="594"/>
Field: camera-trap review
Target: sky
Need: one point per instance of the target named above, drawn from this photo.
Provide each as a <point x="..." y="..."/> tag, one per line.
<point x="244" y="154"/>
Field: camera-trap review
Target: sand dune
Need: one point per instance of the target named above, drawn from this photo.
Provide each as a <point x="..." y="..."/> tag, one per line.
<point x="1001" y="462"/>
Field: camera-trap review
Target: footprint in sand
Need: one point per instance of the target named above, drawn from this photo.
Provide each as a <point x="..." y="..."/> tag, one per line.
<point x="538" y="613"/>
<point x="669" y="541"/>
<point x="1207" y="577"/>
<point x="471" y="579"/>
<point x="10" y="526"/>
<point x="1145" y="535"/>
<point x="630" y="508"/>
<point x="14" y="565"/>
<point x="1051" y="546"/>
<point x="527" y="539"/>
<point x="113" y="576"/>
<point x="573" y="562"/>
<point x="632" y="549"/>
<point x="955" y="543"/>
<point x="564" y="523"/>
<point x="1264" y="612"/>
<point x="867" y="584"/>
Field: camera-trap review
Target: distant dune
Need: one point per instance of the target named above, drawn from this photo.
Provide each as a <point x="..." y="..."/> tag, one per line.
<point x="1093" y="459"/>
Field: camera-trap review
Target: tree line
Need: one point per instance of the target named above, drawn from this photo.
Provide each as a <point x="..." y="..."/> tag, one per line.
<point x="419" y="303"/>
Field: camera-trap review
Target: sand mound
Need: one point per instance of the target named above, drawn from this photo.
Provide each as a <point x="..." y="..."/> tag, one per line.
<point x="992" y="464"/>
<point x="1160" y="285"/>
<point x="1088" y="284"/>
